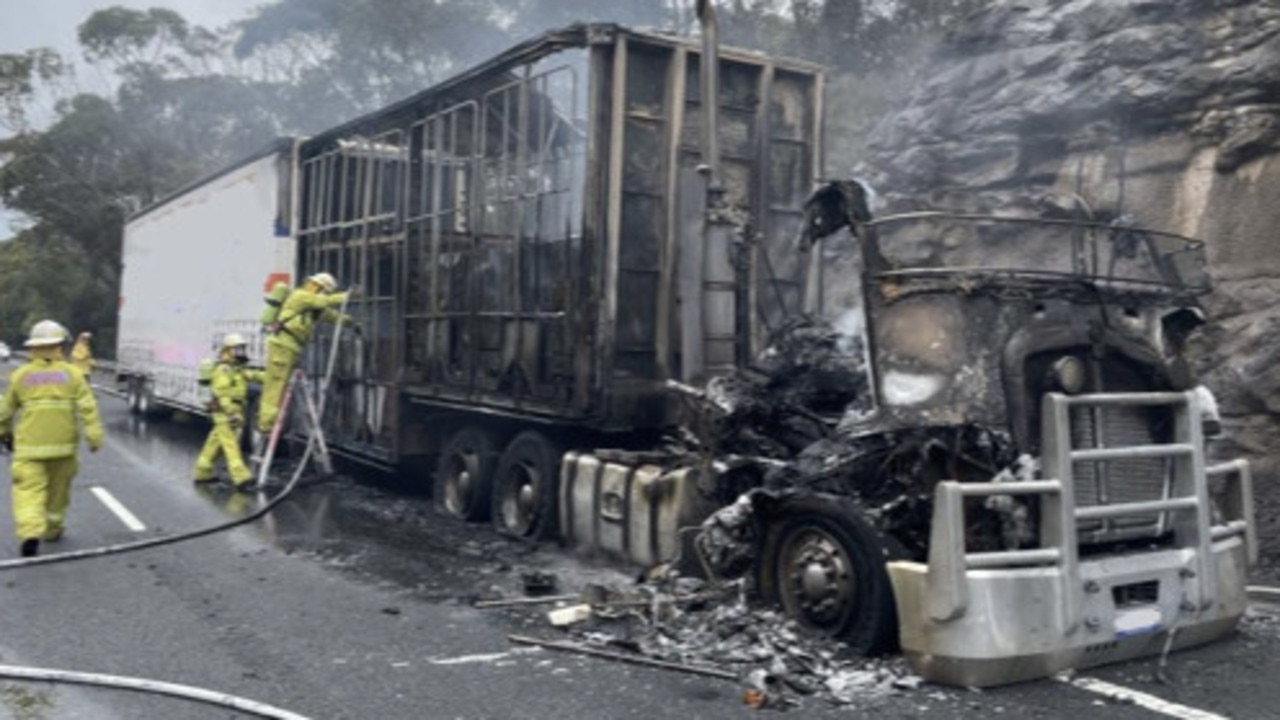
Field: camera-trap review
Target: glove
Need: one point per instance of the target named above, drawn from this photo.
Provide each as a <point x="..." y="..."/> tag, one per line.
<point x="6" y="441"/>
<point x="355" y="328"/>
<point x="235" y="421"/>
<point x="95" y="446"/>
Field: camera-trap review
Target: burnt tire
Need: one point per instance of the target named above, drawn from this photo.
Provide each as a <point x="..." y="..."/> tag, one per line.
<point x="525" y="487"/>
<point x="464" y="474"/>
<point x="825" y="566"/>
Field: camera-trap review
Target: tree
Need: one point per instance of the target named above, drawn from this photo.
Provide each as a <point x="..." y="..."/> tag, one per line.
<point x="340" y="58"/>
<point x="40" y="277"/>
<point x="22" y="77"/>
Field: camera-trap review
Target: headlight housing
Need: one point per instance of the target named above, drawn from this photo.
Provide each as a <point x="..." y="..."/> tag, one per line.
<point x="1069" y="374"/>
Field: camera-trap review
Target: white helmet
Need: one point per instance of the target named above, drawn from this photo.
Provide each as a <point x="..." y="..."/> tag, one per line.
<point x="231" y="340"/>
<point x="46" y="333"/>
<point x="324" y="280"/>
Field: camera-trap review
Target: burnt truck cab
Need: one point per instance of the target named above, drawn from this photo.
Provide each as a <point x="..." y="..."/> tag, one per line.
<point x="1032" y="395"/>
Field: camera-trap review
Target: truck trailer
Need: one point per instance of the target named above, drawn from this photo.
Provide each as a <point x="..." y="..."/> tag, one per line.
<point x="568" y="251"/>
<point x="195" y="267"/>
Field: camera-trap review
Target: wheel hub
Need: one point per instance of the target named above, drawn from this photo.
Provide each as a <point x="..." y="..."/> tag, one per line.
<point x="820" y="581"/>
<point x="526" y="499"/>
<point x="520" y="505"/>
<point x="459" y="486"/>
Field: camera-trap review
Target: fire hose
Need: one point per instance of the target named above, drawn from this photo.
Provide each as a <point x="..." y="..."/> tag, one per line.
<point x="155" y="686"/>
<point x="174" y="689"/>
<point x="186" y="692"/>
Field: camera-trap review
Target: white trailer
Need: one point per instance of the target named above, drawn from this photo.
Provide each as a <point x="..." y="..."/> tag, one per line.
<point x="196" y="266"/>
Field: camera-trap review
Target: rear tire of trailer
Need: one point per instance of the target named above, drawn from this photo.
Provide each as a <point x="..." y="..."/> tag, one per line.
<point x="146" y="403"/>
<point x="131" y="396"/>
<point x="464" y="474"/>
<point x="525" y="487"/>
<point x="825" y="566"/>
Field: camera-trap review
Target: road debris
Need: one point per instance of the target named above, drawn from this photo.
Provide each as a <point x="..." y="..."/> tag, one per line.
<point x="538" y="582"/>
<point x="621" y="657"/>
<point x="512" y="602"/>
<point x="684" y="622"/>
<point x="561" y="617"/>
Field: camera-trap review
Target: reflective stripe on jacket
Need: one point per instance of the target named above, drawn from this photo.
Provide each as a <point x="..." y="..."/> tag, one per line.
<point x="52" y="400"/>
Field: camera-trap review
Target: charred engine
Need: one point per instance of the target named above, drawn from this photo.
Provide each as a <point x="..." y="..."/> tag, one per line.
<point x="969" y="323"/>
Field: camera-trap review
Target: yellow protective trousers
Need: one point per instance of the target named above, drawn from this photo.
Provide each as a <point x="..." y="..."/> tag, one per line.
<point x="280" y="363"/>
<point x="224" y="438"/>
<point x="41" y="494"/>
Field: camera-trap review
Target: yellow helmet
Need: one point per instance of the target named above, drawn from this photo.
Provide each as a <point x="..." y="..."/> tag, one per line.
<point x="231" y="340"/>
<point x="46" y="333"/>
<point x="325" y="281"/>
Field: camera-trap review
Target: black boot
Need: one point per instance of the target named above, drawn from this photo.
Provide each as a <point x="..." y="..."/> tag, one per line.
<point x="30" y="547"/>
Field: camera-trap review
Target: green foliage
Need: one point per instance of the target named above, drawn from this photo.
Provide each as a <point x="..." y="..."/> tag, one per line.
<point x="41" y="277"/>
<point x="21" y="75"/>
<point x="130" y="36"/>
<point x="342" y="58"/>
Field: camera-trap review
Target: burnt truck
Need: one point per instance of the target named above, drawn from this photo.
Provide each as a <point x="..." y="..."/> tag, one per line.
<point x="575" y="259"/>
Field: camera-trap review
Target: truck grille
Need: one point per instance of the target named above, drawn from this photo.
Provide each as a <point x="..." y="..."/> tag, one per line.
<point x="1120" y="481"/>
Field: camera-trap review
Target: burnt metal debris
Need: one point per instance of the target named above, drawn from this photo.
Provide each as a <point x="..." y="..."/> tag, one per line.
<point x="774" y="430"/>
<point x="781" y="427"/>
<point x="687" y="624"/>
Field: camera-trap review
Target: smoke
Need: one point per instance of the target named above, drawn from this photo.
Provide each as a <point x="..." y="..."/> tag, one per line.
<point x="851" y="326"/>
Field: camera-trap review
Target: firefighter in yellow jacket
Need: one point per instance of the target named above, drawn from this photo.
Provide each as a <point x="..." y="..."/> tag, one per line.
<point x="230" y="389"/>
<point x="314" y="300"/>
<point x="82" y="355"/>
<point x="47" y="394"/>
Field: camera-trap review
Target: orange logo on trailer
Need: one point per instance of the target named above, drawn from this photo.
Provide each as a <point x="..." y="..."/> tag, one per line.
<point x="274" y="278"/>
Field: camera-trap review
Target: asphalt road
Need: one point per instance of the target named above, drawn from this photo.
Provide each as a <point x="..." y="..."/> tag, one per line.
<point x="352" y="600"/>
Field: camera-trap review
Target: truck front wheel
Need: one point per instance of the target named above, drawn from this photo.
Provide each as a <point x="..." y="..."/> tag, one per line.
<point x="825" y="565"/>
<point x="464" y="474"/>
<point x="524" y="488"/>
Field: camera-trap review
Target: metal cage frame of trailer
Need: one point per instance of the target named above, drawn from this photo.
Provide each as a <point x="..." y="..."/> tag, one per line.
<point x="528" y="236"/>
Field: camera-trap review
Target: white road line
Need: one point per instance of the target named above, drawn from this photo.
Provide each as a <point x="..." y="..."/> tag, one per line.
<point x="485" y="658"/>
<point x="130" y="520"/>
<point x="1150" y="702"/>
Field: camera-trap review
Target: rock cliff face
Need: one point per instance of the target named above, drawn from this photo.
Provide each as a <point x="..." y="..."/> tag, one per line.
<point x="1164" y="110"/>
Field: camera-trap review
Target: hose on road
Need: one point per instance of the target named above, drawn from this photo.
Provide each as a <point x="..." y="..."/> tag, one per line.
<point x="276" y="432"/>
<point x="167" y="539"/>
<point x="186" y="692"/>
<point x="159" y="687"/>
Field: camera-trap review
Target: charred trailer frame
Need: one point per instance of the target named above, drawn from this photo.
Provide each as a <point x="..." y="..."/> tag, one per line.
<point x="528" y="240"/>
<point x="1000" y="337"/>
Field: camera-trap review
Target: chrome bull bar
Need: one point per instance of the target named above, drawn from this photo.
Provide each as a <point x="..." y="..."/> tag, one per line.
<point x="964" y="617"/>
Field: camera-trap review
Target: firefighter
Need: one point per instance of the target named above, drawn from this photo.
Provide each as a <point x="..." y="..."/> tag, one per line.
<point x="314" y="300"/>
<point x="230" y="389"/>
<point x="47" y="393"/>
<point x="81" y="355"/>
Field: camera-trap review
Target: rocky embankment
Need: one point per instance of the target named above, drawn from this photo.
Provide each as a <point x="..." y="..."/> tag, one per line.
<point x="1167" y="111"/>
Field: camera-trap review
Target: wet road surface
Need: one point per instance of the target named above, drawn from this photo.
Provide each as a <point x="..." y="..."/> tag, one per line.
<point x="352" y="600"/>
